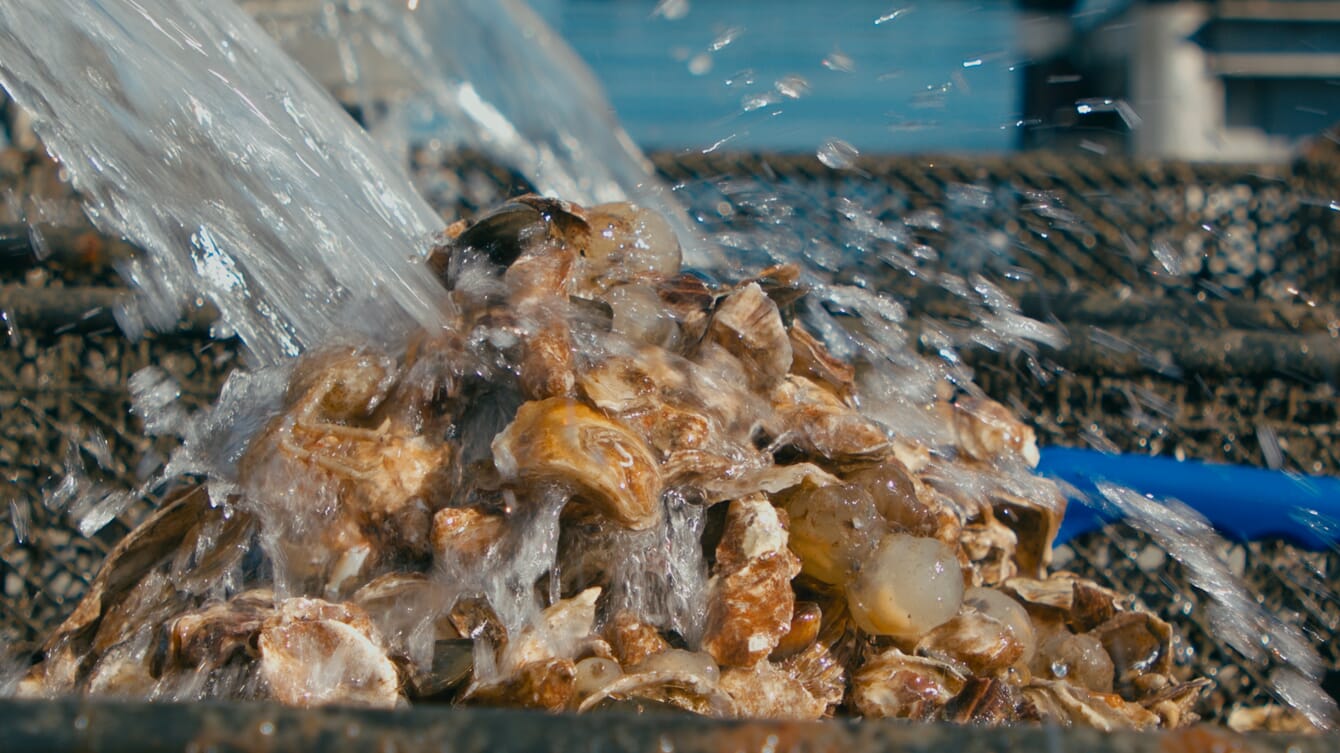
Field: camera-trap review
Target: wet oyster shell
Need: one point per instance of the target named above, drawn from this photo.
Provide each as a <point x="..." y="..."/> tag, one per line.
<point x="751" y="602"/>
<point x="314" y="652"/>
<point x="817" y="422"/>
<point x="765" y="691"/>
<point x="567" y="442"/>
<point x="747" y="324"/>
<point x="894" y="684"/>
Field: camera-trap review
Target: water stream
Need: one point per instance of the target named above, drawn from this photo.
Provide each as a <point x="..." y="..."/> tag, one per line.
<point x="187" y="129"/>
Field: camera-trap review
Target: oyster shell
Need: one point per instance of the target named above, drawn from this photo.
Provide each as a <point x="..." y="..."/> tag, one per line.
<point x="633" y="640"/>
<point x="764" y="691"/>
<point x="810" y="359"/>
<point x="313" y="652"/>
<point x="977" y="641"/>
<point x="817" y="422"/>
<point x="748" y="325"/>
<point x="987" y="431"/>
<point x="1066" y="704"/>
<point x="566" y="442"/>
<point x="215" y="633"/>
<point x="751" y="602"/>
<point x="894" y="684"/>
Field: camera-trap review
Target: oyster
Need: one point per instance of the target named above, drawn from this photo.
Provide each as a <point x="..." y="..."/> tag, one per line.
<point x="894" y="684"/>
<point x="369" y="486"/>
<point x="671" y="679"/>
<point x="566" y="442"/>
<point x="748" y="325"/>
<point x="751" y="602"/>
<point x="818" y="423"/>
<point x="314" y="652"/>
<point x="453" y="524"/>
<point x="769" y="692"/>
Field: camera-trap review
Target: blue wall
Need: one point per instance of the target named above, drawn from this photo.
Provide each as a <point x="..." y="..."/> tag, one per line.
<point x="936" y="77"/>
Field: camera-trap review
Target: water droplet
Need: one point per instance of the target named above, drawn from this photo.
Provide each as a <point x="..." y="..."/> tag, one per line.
<point x="839" y="61"/>
<point x="792" y="86"/>
<point x="837" y="154"/>
<point x="1060" y="669"/>
<point x="753" y="102"/>
<point x="893" y="15"/>
<point x="726" y="37"/>
<point x="671" y="10"/>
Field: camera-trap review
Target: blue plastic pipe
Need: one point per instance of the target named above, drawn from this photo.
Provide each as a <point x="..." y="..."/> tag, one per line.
<point x="1243" y="502"/>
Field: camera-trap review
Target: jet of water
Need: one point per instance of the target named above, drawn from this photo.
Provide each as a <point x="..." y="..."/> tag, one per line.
<point x="186" y="128"/>
<point x="483" y="75"/>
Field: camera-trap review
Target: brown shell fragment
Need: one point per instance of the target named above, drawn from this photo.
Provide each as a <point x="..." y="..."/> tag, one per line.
<point x="666" y="688"/>
<point x="748" y="325"/>
<point x="990" y="546"/>
<point x="633" y="640"/>
<point x="339" y="384"/>
<point x="987" y="431"/>
<point x="977" y="641"/>
<point x="819" y="672"/>
<point x="626" y="243"/>
<point x="806" y="619"/>
<point x="894" y="684"/>
<point x="1174" y="703"/>
<point x="547" y="367"/>
<point x="751" y="602"/>
<point x="1054" y="595"/>
<point x="566" y="442"/>
<point x="1066" y="704"/>
<point x="1138" y="643"/>
<point x="565" y="630"/>
<point x="465" y="534"/>
<point x="983" y="701"/>
<point x="473" y="618"/>
<point x="766" y="692"/>
<point x="547" y="684"/>
<point x="1035" y="522"/>
<point x="1090" y="606"/>
<point x="816" y="421"/>
<point x="313" y="653"/>
<point x="770" y="479"/>
<point x="1270" y="717"/>
<point x="212" y="635"/>
<point x="810" y="359"/>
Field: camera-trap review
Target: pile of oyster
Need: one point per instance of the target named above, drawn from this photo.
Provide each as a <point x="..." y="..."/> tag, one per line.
<point x="497" y="514"/>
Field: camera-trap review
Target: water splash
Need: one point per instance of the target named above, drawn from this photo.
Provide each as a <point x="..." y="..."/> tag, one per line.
<point x="488" y="76"/>
<point x="266" y="198"/>
<point x="1238" y="619"/>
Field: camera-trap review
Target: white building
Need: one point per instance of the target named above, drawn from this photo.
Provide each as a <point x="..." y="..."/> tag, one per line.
<point x="1221" y="80"/>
